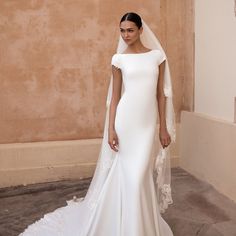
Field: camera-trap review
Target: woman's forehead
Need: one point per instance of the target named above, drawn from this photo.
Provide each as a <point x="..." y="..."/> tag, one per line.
<point x="127" y="24"/>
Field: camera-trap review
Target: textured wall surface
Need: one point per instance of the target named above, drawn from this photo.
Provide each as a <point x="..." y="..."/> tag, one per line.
<point x="178" y="30"/>
<point x="55" y="63"/>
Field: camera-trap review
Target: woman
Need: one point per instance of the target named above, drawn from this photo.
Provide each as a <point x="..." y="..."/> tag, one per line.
<point x="122" y="199"/>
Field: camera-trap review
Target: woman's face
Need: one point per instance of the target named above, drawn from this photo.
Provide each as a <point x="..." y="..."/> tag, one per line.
<point x="130" y="32"/>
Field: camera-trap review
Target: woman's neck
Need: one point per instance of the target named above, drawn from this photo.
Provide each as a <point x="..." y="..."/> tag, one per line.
<point x="136" y="47"/>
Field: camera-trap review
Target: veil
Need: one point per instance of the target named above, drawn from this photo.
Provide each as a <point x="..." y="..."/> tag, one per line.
<point x="107" y="156"/>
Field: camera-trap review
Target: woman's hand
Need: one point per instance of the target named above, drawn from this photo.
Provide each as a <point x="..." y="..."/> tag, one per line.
<point x="165" y="138"/>
<point x="113" y="139"/>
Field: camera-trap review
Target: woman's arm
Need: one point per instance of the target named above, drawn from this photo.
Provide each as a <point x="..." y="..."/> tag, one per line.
<point x="116" y="94"/>
<point x="163" y="133"/>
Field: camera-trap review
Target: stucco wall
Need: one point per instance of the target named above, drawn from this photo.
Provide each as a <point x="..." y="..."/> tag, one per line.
<point x="207" y="135"/>
<point x="55" y="63"/>
<point x="215" y="30"/>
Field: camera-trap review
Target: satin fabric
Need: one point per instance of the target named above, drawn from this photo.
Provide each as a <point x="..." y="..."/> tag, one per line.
<point x="127" y="204"/>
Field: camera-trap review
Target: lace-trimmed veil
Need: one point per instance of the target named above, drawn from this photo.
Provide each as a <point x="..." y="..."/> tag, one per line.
<point x="162" y="170"/>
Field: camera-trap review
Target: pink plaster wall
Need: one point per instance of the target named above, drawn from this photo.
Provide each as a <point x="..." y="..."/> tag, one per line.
<point x="55" y="63"/>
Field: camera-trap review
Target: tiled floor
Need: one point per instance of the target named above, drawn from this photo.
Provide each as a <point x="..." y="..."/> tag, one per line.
<point x="198" y="209"/>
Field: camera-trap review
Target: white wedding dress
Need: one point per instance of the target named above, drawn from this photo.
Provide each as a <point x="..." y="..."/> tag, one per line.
<point x="127" y="203"/>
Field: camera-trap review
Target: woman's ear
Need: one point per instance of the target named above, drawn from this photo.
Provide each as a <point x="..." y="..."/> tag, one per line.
<point x="141" y="30"/>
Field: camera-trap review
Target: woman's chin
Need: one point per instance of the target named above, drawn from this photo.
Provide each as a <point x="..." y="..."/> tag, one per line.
<point x="129" y="43"/>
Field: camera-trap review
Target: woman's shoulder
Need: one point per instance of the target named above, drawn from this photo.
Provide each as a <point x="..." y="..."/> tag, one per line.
<point x="160" y="56"/>
<point x="115" y="60"/>
<point x="156" y="50"/>
<point x="115" y="55"/>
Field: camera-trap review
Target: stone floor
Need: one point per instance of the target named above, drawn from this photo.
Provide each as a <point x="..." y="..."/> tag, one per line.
<point x="198" y="209"/>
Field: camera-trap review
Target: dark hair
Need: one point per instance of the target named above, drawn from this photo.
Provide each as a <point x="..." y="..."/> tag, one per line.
<point x="134" y="17"/>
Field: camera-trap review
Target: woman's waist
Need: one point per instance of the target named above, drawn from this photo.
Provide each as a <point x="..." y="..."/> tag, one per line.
<point x="138" y="102"/>
<point x="138" y="97"/>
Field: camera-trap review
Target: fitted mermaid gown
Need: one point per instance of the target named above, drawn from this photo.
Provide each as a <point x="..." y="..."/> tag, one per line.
<point x="127" y="203"/>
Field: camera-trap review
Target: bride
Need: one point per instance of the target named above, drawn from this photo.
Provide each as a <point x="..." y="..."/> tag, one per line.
<point x="129" y="189"/>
